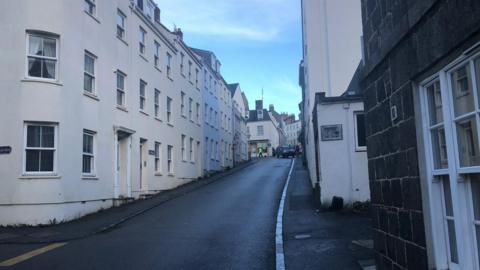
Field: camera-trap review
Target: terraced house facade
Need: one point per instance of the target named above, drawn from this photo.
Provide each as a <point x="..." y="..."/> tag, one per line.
<point x="103" y="105"/>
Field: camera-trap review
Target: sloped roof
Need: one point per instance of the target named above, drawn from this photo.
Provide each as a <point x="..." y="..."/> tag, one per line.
<point x="232" y="87"/>
<point x="253" y="116"/>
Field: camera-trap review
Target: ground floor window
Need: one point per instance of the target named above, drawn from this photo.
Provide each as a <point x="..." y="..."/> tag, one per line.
<point x="88" y="152"/>
<point x="157" y="157"/>
<point x="40" y="147"/>
<point x="170" y="159"/>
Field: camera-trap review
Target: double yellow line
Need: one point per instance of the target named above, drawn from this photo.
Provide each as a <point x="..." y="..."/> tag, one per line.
<point x="31" y="254"/>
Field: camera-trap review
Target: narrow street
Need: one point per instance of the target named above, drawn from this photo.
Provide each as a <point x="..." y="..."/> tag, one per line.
<point x="229" y="224"/>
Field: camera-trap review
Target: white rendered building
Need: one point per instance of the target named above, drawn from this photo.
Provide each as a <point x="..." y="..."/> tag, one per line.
<point x="240" y="136"/>
<point x="103" y="104"/>
<point x="292" y="131"/>
<point x="331" y="32"/>
<point x="263" y="131"/>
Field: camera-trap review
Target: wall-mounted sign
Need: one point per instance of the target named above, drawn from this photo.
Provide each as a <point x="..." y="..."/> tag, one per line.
<point x="5" y="150"/>
<point x="151" y="152"/>
<point x="332" y="133"/>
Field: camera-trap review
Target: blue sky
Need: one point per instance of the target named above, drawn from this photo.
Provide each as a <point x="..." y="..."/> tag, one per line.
<point x="259" y="43"/>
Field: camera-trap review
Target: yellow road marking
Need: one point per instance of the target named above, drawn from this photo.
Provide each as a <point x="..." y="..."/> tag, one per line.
<point x="31" y="254"/>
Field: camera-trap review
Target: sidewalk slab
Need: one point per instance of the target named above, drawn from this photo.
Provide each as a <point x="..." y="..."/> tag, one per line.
<point x="316" y="239"/>
<point x="105" y="220"/>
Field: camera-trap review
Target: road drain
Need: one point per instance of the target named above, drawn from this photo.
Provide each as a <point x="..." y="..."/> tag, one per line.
<point x="302" y="236"/>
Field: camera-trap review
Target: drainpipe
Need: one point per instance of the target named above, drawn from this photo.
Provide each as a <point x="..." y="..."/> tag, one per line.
<point x="349" y="149"/>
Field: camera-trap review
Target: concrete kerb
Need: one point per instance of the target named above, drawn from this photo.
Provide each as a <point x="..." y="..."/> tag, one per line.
<point x="279" y="251"/>
<point x="199" y="184"/>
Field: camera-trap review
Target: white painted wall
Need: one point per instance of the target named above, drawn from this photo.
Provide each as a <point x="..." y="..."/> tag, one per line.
<point x="344" y="169"/>
<point x="331" y="31"/>
<point x="66" y="194"/>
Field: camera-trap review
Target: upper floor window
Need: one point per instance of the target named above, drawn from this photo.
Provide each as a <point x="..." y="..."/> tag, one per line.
<point x="192" y="156"/>
<point x="182" y="103"/>
<point x="260" y="114"/>
<point x="143" y="97"/>
<point x="156" y="57"/>
<point x="42" y="56"/>
<point x="121" y="24"/>
<point x="120" y="88"/>
<point x="157" y="103"/>
<point x="158" y="167"/>
<point x="190" y="71"/>
<point x="40" y="148"/>
<point x="169" y="64"/>
<point x="142" y="36"/>
<point x="150" y="10"/>
<point x="169" y="110"/>
<point x="184" y="148"/>
<point x="89" y="73"/>
<point x="91" y="7"/>
<point x="198" y="113"/>
<point x="260" y="131"/>
<point x="182" y="60"/>
<point x="196" y="77"/>
<point x="190" y="109"/>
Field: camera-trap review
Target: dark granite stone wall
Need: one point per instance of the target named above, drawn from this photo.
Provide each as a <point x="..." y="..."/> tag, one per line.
<point x="404" y="42"/>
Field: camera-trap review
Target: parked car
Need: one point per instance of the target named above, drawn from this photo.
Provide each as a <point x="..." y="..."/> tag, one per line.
<point x="285" y="152"/>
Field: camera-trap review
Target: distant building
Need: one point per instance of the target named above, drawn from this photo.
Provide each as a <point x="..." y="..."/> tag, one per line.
<point x="263" y="131"/>
<point x="421" y="87"/>
<point x="292" y="131"/>
<point x="240" y="136"/>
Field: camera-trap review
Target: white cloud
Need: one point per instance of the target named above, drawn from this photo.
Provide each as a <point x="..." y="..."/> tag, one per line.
<point x="254" y="20"/>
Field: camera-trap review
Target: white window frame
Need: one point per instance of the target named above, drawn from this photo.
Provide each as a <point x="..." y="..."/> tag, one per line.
<point x="120" y="90"/>
<point x="190" y="109"/>
<point x="198" y="113"/>
<point x="157" y="159"/>
<point x="156" y="56"/>
<point x="56" y="58"/>
<point x="459" y="176"/>
<point x="93" y="76"/>
<point x="184" y="147"/>
<point x="358" y="148"/>
<point x="142" y="96"/>
<point x="142" y="40"/>
<point x="182" y="104"/>
<point x="262" y="129"/>
<point x="90" y="4"/>
<point x="182" y="60"/>
<point x="190" y="71"/>
<point x="169" y="110"/>
<point x="192" y="153"/>
<point x="170" y="167"/>
<point x="121" y="29"/>
<point x="169" y="64"/>
<point x="156" y="102"/>
<point x="25" y="148"/>
<point x="93" y="134"/>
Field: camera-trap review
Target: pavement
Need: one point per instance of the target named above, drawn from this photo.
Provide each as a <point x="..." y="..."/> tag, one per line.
<point x="316" y="239"/>
<point x="226" y="224"/>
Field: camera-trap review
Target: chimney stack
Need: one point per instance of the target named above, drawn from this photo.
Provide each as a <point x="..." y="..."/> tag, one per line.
<point x="259" y="105"/>
<point x="179" y="33"/>
<point x="156" y="15"/>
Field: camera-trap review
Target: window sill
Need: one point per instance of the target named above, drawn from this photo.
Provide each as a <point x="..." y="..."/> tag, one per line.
<point x="191" y="121"/>
<point x="122" y="40"/>
<point x="170" y="78"/>
<point x="171" y="174"/>
<point x="39" y="176"/>
<point x="184" y="161"/>
<point x="143" y="112"/>
<point x="183" y="75"/>
<point x="191" y="82"/>
<point x="121" y="108"/>
<point x="192" y="162"/>
<point x="361" y="149"/>
<point x="158" y="69"/>
<point x="91" y="95"/>
<point x="143" y="57"/>
<point x="170" y="124"/>
<point x="92" y="16"/>
<point x="89" y="177"/>
<point x="158" y="174"/>
<point x="184" y="116"/>
<point x="158" y="119"/>
<point x="39" y="80"/>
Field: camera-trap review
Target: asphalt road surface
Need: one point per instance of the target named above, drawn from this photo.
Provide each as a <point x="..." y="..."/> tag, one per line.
<point x="229" y="224"/>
